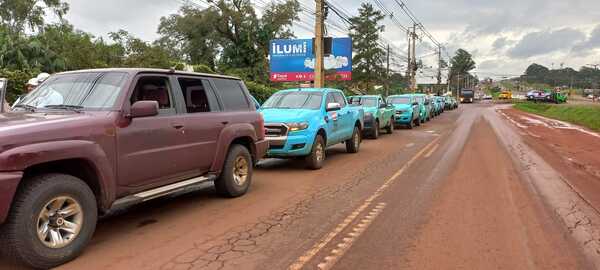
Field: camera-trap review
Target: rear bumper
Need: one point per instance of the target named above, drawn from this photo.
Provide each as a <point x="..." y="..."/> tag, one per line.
<point x="9" y="181"/>
<point x="261" y="149"/>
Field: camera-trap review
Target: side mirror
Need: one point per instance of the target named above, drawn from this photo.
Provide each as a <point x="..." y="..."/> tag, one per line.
<point x="415" y="103"/>
<point x="144" y="108"/>
<point x="333" y="107"/>
<point x="382" y="106"/>
<point x="427" y="103"/>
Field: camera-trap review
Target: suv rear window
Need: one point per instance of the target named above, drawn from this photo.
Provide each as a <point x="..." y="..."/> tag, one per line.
<point x="232" y="95"/>
<point x="196" y="96"/>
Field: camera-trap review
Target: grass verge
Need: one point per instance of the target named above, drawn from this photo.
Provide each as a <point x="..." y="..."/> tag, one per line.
<point x="587" y="116"/>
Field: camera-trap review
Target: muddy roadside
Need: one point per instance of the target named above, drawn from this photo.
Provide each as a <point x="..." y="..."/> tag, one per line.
<point x="551" y="183"/>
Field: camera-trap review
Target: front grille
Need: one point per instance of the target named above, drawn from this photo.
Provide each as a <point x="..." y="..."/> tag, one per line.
<point x="275" y="130"/>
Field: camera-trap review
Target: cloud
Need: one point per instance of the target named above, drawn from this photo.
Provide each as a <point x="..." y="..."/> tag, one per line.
<point x="140" y="18"/>
<point x="501" y="43"/>
<point x="544" y="42"/>
<point x="591" y="43"/>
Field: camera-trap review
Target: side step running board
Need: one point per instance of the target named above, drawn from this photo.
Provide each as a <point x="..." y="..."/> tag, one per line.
<point x="179" y="187"/>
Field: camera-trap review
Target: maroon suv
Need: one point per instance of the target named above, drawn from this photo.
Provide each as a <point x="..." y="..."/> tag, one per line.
<point x="88" y="142"/>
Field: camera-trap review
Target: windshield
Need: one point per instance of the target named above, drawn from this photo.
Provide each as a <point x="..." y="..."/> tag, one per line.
<point x="467" y="92"/>
<point x="295" y="100"/>
<point x="96" y="91"/>
<point x="367" y="102"/>
<point x="399" y="100"/>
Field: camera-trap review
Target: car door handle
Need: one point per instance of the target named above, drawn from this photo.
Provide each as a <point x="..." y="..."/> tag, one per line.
<point x="178" y="125"/>
<point x="225" y="123"/>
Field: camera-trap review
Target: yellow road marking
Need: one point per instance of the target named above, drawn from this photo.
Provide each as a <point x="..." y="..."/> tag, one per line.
<point x="308" y="255"/>
<point x="432" y="150"/>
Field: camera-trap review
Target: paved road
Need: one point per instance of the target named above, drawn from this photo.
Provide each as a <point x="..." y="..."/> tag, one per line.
<point x="444" y="195"/>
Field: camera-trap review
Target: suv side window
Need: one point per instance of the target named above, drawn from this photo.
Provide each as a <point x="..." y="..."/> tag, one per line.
<point x="232" y="95"/>
<point x="197" y="95"/>
<point x="155" y="88"/>
<point x="339" y="98"/>
<point x="330" y="99"/>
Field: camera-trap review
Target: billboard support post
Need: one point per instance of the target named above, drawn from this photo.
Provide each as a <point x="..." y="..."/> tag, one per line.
<point x="3" y="87"/>
<point x="319" y="17"/>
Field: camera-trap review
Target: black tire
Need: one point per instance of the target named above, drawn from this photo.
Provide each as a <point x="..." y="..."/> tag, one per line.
<point x="353" y="144"/>
<point x="19" y="238"/>
<point x="418" y="122"/>
<point x="390" y="127"/>
<point x="375" y="132"/>
<point x="231" y="183"/>
<point x="313" y="161"/>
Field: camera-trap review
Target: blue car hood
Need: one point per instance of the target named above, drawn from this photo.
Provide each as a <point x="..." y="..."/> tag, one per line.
<point x="288" y="115"/>
<point x="402" y="106"/>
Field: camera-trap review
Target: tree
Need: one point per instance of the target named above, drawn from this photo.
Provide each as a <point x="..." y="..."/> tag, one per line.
<point x="138" y="53"/>
<point x="190" y="35"/>
<point x="20" y="15"/>
<point x="368" y="55"/>
<point x="462" y="63"/>
<point x="228" y="36"/>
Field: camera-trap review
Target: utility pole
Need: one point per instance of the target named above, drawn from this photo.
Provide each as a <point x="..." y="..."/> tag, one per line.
<point x="409" y="64"/>
<point x="319" y="53"/>
<point x="413" y="71"/>
<point x="387" y="87"/>
<point x="439" y="74"/>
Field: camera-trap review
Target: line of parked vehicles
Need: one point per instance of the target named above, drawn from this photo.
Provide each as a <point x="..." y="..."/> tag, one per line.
<point x="112" y="138"/>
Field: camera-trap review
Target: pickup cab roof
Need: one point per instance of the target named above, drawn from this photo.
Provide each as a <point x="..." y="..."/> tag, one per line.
<point x="311" y="90"/>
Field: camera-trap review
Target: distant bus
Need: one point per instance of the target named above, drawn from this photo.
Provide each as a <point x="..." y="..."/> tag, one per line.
<point x="467" y="95"/>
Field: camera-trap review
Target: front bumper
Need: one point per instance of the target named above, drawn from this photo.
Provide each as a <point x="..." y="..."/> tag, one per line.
<point x="369" y="123"/>
<point x="401" y="119"/>
<point x="293" y="145"/>
<point x="9" y="181"/>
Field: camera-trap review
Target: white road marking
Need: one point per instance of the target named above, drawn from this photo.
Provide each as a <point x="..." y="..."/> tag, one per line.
<point x="409" y="145"/>
<point x="342" y="248"/>
<point x="308" y="255"/>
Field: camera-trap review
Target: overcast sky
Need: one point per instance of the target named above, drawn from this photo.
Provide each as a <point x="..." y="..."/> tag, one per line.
<point x="505" y="36"/>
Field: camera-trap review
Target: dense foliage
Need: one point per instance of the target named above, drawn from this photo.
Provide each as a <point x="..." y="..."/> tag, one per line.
<point x="584" y="78"/>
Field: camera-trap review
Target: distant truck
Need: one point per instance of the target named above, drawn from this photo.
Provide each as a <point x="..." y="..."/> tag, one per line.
<point x="378" y="114"/>
<point x="112" y="138"/>
<point x="467" y="95"/>
<point x="304" y="122"/>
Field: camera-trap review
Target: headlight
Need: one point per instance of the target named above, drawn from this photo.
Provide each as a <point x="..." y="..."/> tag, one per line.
<point x="297" y="126"/>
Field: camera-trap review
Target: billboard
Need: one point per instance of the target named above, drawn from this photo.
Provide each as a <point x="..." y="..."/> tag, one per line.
<point x="294" y="60"/>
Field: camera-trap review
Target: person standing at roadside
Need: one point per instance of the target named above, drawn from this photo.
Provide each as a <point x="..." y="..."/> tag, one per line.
<point x="31" y="85"/>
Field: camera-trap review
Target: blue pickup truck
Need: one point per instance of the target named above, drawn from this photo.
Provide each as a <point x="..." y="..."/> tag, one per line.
<point x="407" y="110"/>
<point x="304" y="122"/>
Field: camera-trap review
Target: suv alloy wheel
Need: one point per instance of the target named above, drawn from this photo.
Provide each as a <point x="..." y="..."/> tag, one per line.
<point x="52" y="220"/>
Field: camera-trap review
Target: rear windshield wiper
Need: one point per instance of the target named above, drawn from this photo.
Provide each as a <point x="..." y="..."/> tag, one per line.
<point x="75" y="108"/>
<point x="25" y="107"/>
